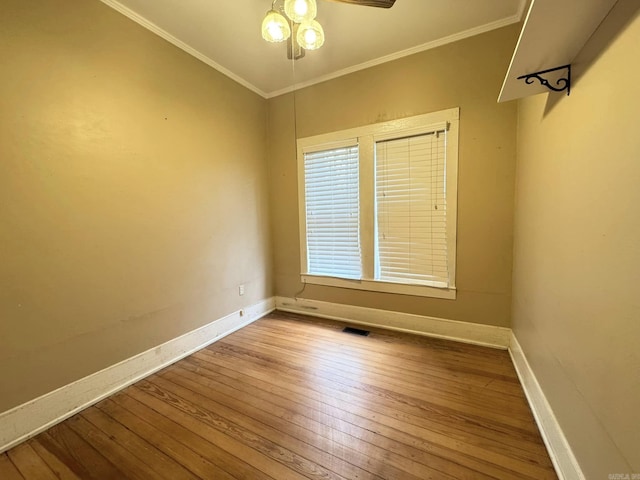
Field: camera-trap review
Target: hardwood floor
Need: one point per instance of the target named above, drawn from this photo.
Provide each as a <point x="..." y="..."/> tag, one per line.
<point x="290" y="397"/>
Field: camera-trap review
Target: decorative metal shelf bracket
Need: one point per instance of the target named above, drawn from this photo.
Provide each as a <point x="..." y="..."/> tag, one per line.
<point x="561" y="84"/>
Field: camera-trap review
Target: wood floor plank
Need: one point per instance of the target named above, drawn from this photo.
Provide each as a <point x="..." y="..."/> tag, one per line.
<point x="161" y="464"/>
<point x="443" y="414"/>
<point x="77" y="454"/>
<point x="196" y="439"/>
<point x="238" y="443"/>
<point x="363" y="427"/>
<point x="321" y="445"/>
<point x="111" y="448"/>
<point x="468" y="399"/>
<point x="444" y="352"/>
<point x="168" y="444"/>
<point x="8" y="470"/>
<point x="55" y="464"/>
<point x="385" y="372"/>
<point x="425" y="428"/>
<point x="343" y="353"/>
<point x="294" y="398"/>
<point x="342" y="437"/>
<point x="410" y="369"/>
<point x="300" y="456"/>
<point x="29" y="463"/>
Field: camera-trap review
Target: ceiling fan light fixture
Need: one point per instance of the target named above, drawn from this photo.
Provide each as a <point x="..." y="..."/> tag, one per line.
<point x="301" y="11"/>
<point x="275" y="28"/>
<point x="310" y="35"/>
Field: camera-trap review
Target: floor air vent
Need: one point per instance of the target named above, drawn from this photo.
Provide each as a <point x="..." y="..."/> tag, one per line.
<point x="356" y="331"/>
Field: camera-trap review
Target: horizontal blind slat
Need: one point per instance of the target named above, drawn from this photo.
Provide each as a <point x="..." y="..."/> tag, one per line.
<point x="332" y="212"/>
<point x="411" y="209"/>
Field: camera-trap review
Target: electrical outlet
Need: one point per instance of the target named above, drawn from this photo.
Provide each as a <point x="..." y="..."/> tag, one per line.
<point x="241" y="290"/>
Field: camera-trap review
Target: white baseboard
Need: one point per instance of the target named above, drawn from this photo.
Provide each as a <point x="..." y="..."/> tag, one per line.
<point x="35" y="416"/>
<point x="562" y="456"/>
<point x="478" y="334"/>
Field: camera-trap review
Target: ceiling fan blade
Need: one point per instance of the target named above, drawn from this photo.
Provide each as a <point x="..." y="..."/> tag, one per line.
<point x="370" y="3"/>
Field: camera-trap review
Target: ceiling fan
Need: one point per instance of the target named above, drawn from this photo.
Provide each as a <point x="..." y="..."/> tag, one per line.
<point x="294" y="20"/>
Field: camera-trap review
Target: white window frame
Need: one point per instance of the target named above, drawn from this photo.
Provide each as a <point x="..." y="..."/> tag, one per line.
<point x="366" y="137"/>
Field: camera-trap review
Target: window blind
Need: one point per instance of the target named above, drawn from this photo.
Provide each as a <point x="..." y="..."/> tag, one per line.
<point x="332" y="210"/>
<point x="411" y="210"/>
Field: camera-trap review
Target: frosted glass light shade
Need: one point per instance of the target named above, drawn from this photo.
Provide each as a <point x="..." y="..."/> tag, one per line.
<point x="310" y="35"/>
<point x="301" y="11"/>
<point x="275" y="28"/>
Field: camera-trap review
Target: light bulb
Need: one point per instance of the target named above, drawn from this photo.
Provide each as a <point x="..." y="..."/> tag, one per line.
<point x="275" y="32"/>
<point x="300" y="7"/>
<point x="310" y="35"/>
<point x="301" y="10"/>
<point x="275" y="28"/>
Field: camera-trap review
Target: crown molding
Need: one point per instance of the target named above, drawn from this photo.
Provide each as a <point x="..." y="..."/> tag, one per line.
<point x="405" y="53"/>
<point x="140" y="20"/>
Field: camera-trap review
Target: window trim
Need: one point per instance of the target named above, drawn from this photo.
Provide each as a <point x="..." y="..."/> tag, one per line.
<point x="366" y="136"/>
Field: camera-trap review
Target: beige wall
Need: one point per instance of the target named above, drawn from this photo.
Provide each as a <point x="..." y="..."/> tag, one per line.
<point x="577" y="249"/>
<point x="132" y="204"/>
<point x="465" y="74"/>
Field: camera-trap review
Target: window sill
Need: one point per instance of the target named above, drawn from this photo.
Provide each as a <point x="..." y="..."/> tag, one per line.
<point x="379" y="286"/>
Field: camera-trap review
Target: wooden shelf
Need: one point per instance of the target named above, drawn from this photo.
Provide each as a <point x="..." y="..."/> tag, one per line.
<point x="553" y="33"/>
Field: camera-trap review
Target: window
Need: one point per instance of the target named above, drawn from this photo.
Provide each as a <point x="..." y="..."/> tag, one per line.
<point x="332" y="209"/>
<point x="378" y="206"/>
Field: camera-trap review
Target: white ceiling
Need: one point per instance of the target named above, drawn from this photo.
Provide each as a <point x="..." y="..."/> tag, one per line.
<point x="226" y="34"/>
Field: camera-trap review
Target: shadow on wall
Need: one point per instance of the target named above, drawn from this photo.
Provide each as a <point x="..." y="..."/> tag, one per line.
<point x="622" y="14"/>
